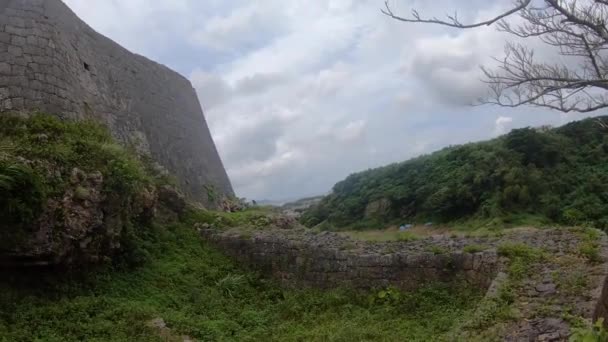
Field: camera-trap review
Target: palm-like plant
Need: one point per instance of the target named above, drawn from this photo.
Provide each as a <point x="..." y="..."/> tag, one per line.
<point x="11" y="175"/>
<point x="6" y="150"/>
<point x="10" y="172"/>
<point x="6" y="181"/>
<point x="21" y="192"/>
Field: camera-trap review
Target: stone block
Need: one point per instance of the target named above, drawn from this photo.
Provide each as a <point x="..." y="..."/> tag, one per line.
<point x="18" y="103"/>
<point x="4" y="93"/>
<point x="5" y="37"/>
<point x="18" y="40"/>
<point x="15" y="89"/>
<point x="33" y="50"/>
<point x="43" y="60"/>
<point x="7" y="104"/>
<point x="16" y="22"/>
<point x="15" y="30"/>
<point x="19" y="81"/>
<point x="35" y="67"/>
<point x="15" y="51"/>
<point x="18" y="70"/>
<point x="5" y="68"/>
<point x="32" y="40"/>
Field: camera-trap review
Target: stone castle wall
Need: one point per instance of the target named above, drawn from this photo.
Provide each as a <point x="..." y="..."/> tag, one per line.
<point x="52" y="61"/>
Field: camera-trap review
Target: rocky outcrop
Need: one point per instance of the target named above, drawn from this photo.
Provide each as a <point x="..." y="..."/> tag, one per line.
<point x="378" y="208"/>
<point x="52" y="61"/>
<point x="87" y="225"/>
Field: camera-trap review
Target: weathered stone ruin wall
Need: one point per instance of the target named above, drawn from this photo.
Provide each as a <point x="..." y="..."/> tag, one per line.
<point x="303" y="258"/>
<point x="52" y="61"/>
<point x="297" y="261"/>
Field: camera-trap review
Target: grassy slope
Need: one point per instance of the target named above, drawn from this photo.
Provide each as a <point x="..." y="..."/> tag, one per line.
<point x="182" y="283"/>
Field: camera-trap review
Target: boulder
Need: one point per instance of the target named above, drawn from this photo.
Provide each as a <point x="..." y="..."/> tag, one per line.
<point x="70" y="228"/>
<point x="284" y="221"/>
<point x="86" y="225"/>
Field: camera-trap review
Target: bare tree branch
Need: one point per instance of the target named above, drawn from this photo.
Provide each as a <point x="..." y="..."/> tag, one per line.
<point x="576" y="29"/>
<point x="453" y="20"/>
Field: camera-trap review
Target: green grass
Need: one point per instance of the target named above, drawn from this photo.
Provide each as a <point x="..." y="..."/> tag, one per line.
<point x="589" y="246"/>
<point x="521" y="259"/>
<point x="474" y="249"/>
<point x="255" y="217"/>
<point x="200" y="293"/>
<point x="382" y="235"/>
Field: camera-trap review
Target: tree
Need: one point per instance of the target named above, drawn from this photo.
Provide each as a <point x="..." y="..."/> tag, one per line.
<point x="576" y="29"/>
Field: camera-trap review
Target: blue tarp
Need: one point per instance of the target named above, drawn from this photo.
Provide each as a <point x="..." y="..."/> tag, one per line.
<point x="406" y="227"/>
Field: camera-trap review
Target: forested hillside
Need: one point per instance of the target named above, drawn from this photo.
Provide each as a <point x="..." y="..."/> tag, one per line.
<point x="559" y="175"/>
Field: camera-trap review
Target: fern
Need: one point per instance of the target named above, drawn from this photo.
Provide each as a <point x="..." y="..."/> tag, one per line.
<point x="12" y="174"/>
<point x="6" y="150"/>
<point x="7" y="171"/>
<point x="231" y="284"/>
<point x="6" y="183"/>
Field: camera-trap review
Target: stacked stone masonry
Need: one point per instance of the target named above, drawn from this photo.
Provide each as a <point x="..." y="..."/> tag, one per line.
<point x="53" y="62"/>
<point x="310" y="264"/>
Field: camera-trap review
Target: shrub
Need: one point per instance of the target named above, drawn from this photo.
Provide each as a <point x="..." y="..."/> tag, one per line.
<point x="231" y="284"/>
<point x="590" y="250"/>
<point x="520" y="250"/>
<point x="22" y="195"/>
<point x="407" y="237"/>
<point x="522" y="257"/>
<point x="595" y="333"/>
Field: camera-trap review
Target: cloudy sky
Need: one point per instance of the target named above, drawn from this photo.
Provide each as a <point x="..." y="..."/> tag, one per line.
<point x="300" y="93"/>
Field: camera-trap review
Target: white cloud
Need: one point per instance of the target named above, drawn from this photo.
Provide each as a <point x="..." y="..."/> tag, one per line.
<point x="501" y="126"/>
<point x="244" y="26"/>
<point x="352" y="132"/>
<point x="450" y="66"/>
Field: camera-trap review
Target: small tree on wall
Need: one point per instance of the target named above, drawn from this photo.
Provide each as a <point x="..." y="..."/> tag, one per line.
<point x="577" y="30"/>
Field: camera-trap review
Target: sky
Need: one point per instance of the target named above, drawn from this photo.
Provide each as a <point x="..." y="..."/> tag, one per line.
<point x="298" y="94"/>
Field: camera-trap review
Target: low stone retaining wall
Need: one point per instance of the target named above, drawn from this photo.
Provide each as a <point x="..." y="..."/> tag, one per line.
<point x="302" y="262"/>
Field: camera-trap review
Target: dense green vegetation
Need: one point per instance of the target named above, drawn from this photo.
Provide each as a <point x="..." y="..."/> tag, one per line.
<point x="550" y="175"/>
<point x="167" y="271"/>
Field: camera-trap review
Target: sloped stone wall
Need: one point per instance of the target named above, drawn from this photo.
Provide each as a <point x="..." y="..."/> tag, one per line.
<point x="52" y="61"/>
